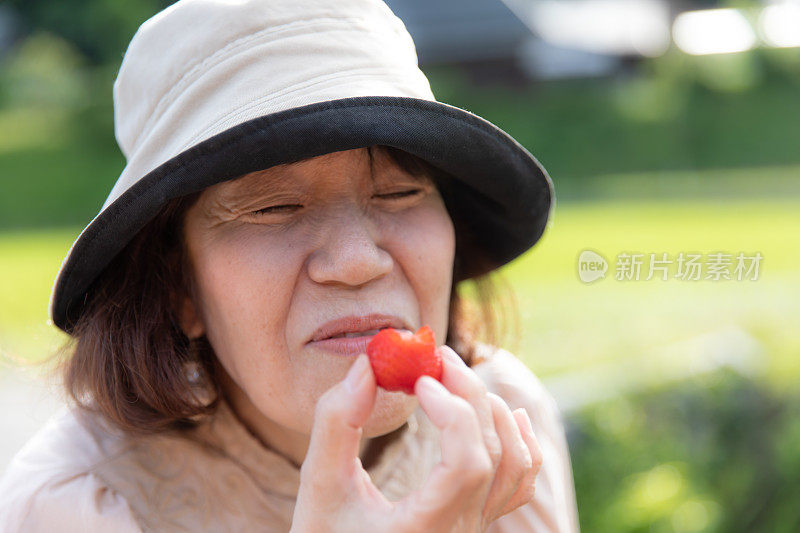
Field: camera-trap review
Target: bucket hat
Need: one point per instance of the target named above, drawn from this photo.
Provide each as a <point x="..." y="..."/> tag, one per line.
<point x="210" y="90"/>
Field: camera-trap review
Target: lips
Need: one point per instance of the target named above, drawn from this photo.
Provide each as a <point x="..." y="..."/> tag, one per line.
<point x="352" y="334"/>
<point x="355" y="326"/>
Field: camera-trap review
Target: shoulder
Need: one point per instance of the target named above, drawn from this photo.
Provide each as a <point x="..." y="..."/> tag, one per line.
<point x="508" y="377"/>
<point x="50" y="484"/>
<point x="553" y="508"/>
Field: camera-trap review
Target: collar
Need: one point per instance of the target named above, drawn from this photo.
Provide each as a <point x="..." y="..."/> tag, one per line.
<point x="275" y="474"/>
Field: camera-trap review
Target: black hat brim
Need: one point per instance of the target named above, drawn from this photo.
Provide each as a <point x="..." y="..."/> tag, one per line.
<point x="504" y="189"/>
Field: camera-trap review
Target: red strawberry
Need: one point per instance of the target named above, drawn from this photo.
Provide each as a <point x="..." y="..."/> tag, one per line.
<point x="398" y="358"/>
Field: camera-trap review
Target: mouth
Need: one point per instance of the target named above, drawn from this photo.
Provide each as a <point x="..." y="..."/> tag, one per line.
<point x="349" y="344"/>
<point x="355" y="334"/>
<point x="350" y="335"/>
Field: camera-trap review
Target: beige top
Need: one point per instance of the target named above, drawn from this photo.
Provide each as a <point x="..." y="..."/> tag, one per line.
<point x="78" y="474"/>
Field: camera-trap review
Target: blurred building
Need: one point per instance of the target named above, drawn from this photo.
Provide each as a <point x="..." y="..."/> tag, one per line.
<point x="9" y="28"/>
<point x="545" y="39"/>
<point x="483" y="37"/>
<point x="524" y="39"/>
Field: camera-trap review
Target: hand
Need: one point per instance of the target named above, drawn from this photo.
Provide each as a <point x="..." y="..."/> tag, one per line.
<point x="490" y="459"/>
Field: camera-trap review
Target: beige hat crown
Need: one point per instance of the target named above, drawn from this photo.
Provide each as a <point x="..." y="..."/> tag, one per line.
<point x="200" y="67"/>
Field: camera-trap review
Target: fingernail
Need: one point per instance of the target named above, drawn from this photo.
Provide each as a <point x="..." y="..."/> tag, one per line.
<point x="357" y="373"/>
<point x="431" y="386"/>
<point x="526" y="419"/>
<point x="449" y="353"/>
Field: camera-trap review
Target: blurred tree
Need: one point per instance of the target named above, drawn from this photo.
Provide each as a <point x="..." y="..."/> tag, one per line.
<point x="100" y="29"/>
<point x="43" y="70"/>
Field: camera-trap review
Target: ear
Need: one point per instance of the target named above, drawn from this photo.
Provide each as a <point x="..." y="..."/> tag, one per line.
<point x="190" y="321"/>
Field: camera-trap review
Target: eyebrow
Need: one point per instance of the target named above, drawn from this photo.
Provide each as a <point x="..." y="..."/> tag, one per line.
<point x="249" y="188"/>
<point x="251" y="185"/>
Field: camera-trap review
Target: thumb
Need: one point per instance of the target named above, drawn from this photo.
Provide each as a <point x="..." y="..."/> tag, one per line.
<point x="338" y="418"/>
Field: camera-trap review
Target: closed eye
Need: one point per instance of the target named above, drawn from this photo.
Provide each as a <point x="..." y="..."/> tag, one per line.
<point x="278" y="209"/>
<point x="289" y="208"/>
<point x="399" y="194"/>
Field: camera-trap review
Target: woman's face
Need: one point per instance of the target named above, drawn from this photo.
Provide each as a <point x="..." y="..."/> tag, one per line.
<point x="279" y="254"/>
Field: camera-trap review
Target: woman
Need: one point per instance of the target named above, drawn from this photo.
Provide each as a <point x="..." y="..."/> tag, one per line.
<point x="291" y="187"/>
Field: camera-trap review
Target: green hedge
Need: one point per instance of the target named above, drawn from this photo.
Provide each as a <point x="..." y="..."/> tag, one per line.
<point x="714" y="454"/>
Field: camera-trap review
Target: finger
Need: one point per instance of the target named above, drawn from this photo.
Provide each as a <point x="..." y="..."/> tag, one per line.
<point x="516" y="461"/>
<point x="463" y="476"/>
<point x="339" y="416"/>
<point x="527" y="486"/>
<point x="462" y="381"/>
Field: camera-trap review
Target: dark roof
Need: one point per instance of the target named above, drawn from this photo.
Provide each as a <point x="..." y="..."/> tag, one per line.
<point x="460" y="30"/>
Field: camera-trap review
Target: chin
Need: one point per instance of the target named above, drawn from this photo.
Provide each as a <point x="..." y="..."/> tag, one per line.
<point x="391" y="411"/>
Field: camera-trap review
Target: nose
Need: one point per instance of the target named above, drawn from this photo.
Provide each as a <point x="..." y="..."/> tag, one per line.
<point x="349" y="253"/>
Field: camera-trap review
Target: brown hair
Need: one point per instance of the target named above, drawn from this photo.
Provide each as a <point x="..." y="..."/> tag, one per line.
<point x="129" y="355"/>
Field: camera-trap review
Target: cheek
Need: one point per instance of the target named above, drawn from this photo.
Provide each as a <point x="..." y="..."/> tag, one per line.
<point x="245" y="293"/>
<point x="425" y="251"/>
<point x="434" y="246"/>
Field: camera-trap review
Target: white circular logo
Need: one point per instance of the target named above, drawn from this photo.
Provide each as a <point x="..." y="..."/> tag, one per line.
<point x="591" y="266"/>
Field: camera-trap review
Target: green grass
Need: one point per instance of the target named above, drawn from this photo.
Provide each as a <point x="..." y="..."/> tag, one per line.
<point x="28" y="266"/>
<point x="564" y="323"/>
